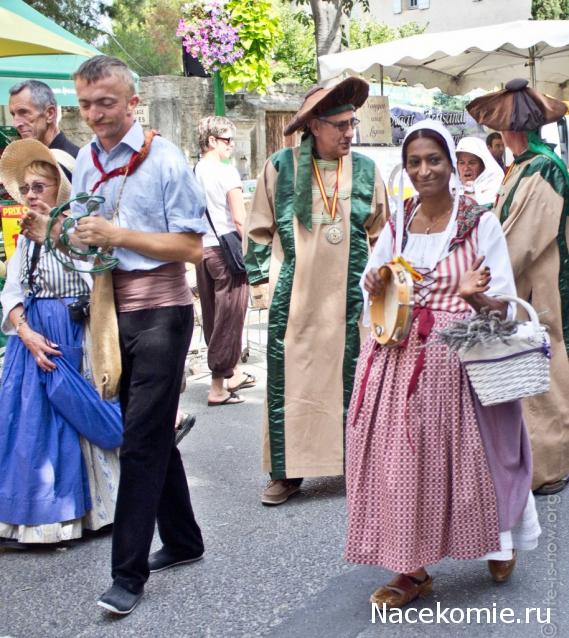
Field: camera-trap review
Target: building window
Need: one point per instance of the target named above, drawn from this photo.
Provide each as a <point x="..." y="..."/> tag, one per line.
<point x="413" y="4"/>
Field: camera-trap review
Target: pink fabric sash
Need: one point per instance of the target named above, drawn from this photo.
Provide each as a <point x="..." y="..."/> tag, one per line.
<point x="156" y="288"/>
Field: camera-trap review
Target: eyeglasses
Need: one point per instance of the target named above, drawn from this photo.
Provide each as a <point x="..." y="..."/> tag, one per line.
<point x="342" y="126"/>
<point x="227" y="140"/>
<point x="37" y="188"/>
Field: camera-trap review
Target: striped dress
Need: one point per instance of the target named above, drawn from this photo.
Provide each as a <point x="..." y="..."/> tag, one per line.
<point x="418" y="481"/>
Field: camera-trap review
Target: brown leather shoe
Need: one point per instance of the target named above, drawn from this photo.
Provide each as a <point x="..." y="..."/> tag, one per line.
<point x="402" y="590"/>
<point x="501" y="570"/>
<point x="278" y="492"/>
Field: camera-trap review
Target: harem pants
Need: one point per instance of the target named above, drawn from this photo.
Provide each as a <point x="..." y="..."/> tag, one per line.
<point x="223" y="298"/>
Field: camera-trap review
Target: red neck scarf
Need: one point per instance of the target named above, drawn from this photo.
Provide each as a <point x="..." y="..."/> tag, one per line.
<point x="133" y="163"/>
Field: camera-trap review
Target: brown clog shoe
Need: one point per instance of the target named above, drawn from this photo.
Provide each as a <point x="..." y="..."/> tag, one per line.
<point x="501" y="570"/>
<point x="401" y="591"/>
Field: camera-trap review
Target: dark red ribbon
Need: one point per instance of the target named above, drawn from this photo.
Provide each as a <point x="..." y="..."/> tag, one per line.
<point x="127" y="168"/>
<point x="363" y="384"/>
<point x="426" y="322"/>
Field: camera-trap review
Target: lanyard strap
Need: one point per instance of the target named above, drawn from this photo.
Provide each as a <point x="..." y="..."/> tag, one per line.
<point x="34" y="262"/>
<point x="331" y="209"/>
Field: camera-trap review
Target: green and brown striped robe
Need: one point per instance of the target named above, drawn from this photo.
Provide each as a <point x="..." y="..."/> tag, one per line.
<point x="315" y="306"/>
<point x="533" y="205"/>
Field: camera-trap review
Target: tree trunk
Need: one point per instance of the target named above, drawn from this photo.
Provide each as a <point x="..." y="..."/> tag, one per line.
<point x="328" y="18"/>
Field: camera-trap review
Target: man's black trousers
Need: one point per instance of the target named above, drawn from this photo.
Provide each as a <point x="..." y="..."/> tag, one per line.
<point x="153" y="485"/>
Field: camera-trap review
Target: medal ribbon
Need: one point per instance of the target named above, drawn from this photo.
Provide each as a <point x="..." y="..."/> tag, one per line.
<point x="330" y="209"/>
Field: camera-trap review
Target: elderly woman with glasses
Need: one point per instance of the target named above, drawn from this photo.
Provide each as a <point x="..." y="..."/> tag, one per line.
<point x="223" y="294"/>
<point x="58" y="461"/>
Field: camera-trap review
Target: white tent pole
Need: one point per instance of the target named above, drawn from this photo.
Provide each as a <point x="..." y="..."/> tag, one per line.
<point x="531" y="64"/>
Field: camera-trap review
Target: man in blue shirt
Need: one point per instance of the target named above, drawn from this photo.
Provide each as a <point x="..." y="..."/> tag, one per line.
<point x="152" y="220"/>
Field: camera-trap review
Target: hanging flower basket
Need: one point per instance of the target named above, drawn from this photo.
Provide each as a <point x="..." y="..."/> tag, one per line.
<point x="208" y="35"/>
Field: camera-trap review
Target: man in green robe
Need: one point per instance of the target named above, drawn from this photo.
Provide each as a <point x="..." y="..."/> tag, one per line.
<point x="533" y="205"/>
<point x="316" y="209"/>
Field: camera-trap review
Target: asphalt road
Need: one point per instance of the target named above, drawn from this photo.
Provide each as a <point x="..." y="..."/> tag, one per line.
<point x="274" y="572"/>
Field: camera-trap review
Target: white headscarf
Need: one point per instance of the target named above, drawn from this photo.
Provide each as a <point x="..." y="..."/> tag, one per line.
<point x="437" y="127"/>
<point x="487" y="184"/>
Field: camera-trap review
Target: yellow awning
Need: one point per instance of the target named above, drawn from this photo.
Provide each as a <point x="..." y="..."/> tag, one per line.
<point x="19" y="36"/>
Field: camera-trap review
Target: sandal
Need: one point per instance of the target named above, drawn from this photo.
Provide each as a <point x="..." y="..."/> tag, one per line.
<point x="230" y="399"/>
<point x="248" y="381"/>
<point x="402" y="590"/>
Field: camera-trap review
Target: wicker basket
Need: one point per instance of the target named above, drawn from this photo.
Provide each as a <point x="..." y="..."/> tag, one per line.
<point x="501" y="372"/>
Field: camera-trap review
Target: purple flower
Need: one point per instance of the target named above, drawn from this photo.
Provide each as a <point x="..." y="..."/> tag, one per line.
<point x="209" y="35"/>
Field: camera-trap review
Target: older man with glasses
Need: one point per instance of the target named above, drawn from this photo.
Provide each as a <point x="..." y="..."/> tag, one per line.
<point x="316" y="209"/>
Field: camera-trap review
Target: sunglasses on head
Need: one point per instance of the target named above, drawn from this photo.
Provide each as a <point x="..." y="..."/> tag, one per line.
<point x="36" y="187"/>
<point x="342" y="126"/>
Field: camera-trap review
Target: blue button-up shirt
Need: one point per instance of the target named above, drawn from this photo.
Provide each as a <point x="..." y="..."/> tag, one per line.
<point x="160" y="196"/>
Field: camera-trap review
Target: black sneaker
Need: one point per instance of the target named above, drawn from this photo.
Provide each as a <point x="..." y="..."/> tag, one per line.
<point x="163" y="559"/>
<point x="119" y="600"/>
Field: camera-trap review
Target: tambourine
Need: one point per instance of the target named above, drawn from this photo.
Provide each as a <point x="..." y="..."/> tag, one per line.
<point x="392" y="311"/>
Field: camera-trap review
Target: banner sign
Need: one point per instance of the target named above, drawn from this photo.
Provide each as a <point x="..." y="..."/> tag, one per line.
<point x="384" y="126"/>
<point x="459" y="123"/>
<point x="10" y="212"/>
<point x="375" y="124"/>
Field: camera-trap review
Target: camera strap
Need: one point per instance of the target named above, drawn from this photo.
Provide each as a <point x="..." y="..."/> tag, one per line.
<point x="33" y="263"/>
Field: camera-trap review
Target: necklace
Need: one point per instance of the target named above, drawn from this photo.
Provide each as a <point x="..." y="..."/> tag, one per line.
<point x="434" y="225"/>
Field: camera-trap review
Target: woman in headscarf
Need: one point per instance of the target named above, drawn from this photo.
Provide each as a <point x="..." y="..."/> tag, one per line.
<point x="430" y="473"/>
<point x="480" y="174"/>
<point x="58" y="439"/>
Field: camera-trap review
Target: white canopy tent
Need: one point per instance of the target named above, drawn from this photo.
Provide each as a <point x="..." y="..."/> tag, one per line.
<point x="459" y="61"/>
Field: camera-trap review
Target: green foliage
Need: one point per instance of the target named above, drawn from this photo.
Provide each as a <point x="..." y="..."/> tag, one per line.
<point x="295" y="51"/>
<point x="367" y="33"/>
<point x="550" y="9"/>
<point x="450" y="102"/>
<point x="144" y="36"/>
<point x="258" y="34"/>
<point x="80" y="17"/>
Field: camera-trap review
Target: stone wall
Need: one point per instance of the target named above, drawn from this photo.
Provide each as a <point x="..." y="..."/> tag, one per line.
<point x="174" y="106"/>
<point x="248" y="111"/>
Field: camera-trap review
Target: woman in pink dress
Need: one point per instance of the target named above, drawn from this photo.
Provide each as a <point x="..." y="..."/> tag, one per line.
<point x="430" y="472"/>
